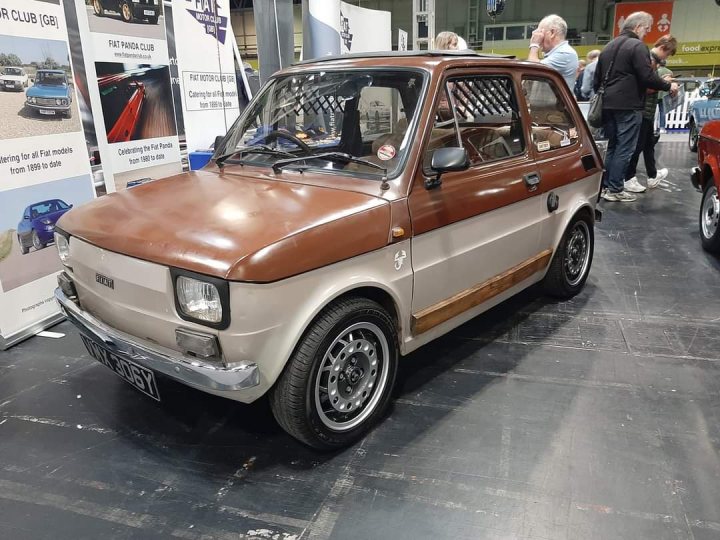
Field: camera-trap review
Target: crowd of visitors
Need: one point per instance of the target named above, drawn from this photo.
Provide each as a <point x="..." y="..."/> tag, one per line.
<point x="633" y="80"/>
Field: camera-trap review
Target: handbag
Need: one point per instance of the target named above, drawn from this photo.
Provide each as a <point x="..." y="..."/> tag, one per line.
<point x="594" y="116"/>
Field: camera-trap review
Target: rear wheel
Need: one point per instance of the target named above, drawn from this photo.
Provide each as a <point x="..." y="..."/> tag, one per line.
<point x="709" y="216"/>
<point x="693" y="136"/>
<point x="37" y="243"/>
<point x="571" y="263"/>
<point x="338" y="382"/>
<point x="126" y="12"/>
<point x="98" y="8"/>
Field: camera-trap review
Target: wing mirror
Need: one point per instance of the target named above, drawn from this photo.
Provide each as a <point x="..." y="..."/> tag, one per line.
<point x="447" y="160"/>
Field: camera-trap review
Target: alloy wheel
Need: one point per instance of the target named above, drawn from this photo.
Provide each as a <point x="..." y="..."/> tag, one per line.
<point x="710" y="213"/>
<point x="577" y="253"/>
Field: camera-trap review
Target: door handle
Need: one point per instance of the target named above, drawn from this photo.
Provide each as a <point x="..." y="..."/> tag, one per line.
<point x="532" y="180"/>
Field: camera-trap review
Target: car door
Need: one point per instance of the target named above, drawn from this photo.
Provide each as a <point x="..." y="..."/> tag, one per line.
<point x="570" y="171"/>
<point x="475" y="237"/>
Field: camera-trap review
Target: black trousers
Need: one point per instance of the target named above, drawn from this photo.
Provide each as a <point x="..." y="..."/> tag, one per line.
<point x="646" y="147"/>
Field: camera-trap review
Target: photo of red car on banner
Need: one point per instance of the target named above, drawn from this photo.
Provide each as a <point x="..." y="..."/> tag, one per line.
<point x="133" y="101"/>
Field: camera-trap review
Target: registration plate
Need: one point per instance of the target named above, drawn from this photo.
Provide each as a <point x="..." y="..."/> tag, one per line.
<point x="149" y="12"/>
<point x="141" y="378"/>
<point x="47" y="111"/>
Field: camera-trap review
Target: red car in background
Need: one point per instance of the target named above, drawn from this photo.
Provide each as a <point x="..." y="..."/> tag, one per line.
<point x="122" y="104"/>
<point x="706" y="178"/>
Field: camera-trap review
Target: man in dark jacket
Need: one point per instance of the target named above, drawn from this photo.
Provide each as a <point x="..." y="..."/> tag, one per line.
<point x="624" y="99"/>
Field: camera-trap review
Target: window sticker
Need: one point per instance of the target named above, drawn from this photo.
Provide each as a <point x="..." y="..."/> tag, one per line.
<point x="543" y="145"/>
<point x="565" y="142"/>
<point x="573" y="133"/>
<point x="386" y="152"/>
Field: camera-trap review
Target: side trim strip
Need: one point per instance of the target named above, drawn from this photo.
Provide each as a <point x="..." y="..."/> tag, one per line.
<point x="436" y="314"/>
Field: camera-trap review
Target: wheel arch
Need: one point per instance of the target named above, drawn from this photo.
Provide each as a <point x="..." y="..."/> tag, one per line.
<point x="710" y="170"/>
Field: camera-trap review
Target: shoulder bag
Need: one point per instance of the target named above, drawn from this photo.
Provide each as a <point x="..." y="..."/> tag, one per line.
<point x="594" y="116"/>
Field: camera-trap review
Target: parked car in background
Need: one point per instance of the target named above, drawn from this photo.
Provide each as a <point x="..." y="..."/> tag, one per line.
<point x="308" y="255"/>
<point x="700" y="112"/>
<point x="708" y="86"/>
<point x="130" y="11"/>
<point x="13" y="78"/>
<point x="50" y="93"/>
<point x="37" y="227"/>
<point x="706" y="178"/>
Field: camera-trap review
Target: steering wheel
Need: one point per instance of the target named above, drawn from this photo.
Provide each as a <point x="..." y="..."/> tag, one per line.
<point x="277" y="134"/>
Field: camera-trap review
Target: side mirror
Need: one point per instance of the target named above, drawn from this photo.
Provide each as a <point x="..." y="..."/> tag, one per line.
<point x="26" y="216"/>
<point x="72" y="205"/>
<point x="447" y="160"/>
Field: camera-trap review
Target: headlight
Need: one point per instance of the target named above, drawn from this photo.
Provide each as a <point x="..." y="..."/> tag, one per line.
<point x="199" y="299"/>
<point x="63" y="247"/>
<point x="58" y="102"/>
<point x="31" y="100"/>
<point x="45" y="221"/>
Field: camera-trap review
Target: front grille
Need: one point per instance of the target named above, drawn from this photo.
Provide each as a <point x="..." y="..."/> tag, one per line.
<point x="46" y="101"/>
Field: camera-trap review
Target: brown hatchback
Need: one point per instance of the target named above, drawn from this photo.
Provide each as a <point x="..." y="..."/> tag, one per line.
<point x="360" y="207"/>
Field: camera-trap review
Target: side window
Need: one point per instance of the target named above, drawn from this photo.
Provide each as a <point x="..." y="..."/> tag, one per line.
<point x="552" y="124"/>
<point x="485" y="111"/>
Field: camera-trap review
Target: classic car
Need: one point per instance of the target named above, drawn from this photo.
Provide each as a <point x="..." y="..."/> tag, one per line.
<point x="700" y="112"/>
<point x="149" y="10"/>
<point x="37" y="227"/>
<point x="303" y="269"/>
<point x="706" y="178"/>
<point x="50" y="93"/>
<point x="13" y="78"/>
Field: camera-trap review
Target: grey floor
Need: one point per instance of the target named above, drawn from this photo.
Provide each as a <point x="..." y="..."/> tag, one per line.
<point x="595" y="418"/>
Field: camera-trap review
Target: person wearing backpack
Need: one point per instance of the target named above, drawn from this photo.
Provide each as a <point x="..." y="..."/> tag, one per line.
<point x="625" y="72"/>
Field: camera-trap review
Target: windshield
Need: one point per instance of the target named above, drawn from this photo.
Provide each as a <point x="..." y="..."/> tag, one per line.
<point x="48" y="78"/>
<point x="47" y="207"/>
<point x="12" y="71"/>
<point x="364" y="114"/>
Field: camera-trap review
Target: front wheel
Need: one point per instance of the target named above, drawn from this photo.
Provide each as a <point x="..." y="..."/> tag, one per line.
<point x="23" y="248"/>
<point x="570" y="265"/>
<point x="37" y="243"/>
<point x="709" y="215"/>
<point x="98" y="8"/>
<point x="693" y="137"/>
<point x="338" y="382"/>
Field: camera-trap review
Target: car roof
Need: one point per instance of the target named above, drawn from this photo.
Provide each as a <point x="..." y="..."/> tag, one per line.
<point x="51" y="70"/>
<point x="403" y="54"/>
<point x="12" y="67"/>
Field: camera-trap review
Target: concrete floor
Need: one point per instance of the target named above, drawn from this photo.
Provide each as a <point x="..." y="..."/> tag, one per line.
<point x="595" y="418"/>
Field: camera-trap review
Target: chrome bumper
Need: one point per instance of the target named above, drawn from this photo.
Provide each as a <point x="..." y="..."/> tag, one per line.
<point x="187" y="370"/>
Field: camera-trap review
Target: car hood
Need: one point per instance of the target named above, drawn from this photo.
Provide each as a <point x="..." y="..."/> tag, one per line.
<point x="242" y="228"/>
<point x="16" y="78"/>
<point x="52" y="217"/>
<point x="49" y="91"/>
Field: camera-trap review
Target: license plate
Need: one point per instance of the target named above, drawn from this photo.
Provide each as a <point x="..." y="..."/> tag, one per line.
<point x="47" y="111"/>
<point x="9" y="85"/>
<point x="149" y="12"/>
<point x="141" y="378"/>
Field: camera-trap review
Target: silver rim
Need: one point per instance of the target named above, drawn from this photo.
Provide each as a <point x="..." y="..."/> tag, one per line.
<point x="98" y="9"/>
<point x="710" y="212"/>
<point x="352" y="376"/>
<point x="693" y="135"/>
<point x="127" y="15"/>
<point x="36" y="241"/>
<point x="577" y="253"/>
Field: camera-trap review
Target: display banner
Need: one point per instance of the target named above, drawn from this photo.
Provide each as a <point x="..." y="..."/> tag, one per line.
<point x="129" y="86"/>
<point x="206" y="67"/>
<point x="321" y="28"/>
<point x="661" y="13"/>
<point x="364" y="30"/>
<point x="402" y="40"/>
<point x="44" y="165"/>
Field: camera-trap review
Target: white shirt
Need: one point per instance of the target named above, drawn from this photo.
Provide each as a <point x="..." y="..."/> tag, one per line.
<point x="563" y="59"/>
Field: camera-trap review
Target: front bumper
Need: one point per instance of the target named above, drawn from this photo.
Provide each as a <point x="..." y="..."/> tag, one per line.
<point x="11" y="85"/>
<point x="139" y="11"/>
<point x="185" y="369"/>
<point x="695" y="177"/>
<point x="56" y="108"/>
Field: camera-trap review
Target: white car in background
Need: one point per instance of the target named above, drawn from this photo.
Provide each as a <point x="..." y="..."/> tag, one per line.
<point x="13" y="78"/>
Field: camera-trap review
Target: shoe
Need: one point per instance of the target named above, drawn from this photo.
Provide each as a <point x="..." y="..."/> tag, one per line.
<point x="622" y="196"/>
<point x="663" y="130"/>
<point x="603" y="191"/>
<point x="661" y="175"/>
<point x="634" y="186"/>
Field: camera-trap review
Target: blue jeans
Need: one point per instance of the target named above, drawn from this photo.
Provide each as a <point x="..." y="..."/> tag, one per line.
<point x="621" y="129"/>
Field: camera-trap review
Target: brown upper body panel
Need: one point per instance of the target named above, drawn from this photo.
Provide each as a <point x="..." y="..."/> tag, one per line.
<point x="235" y="227"/>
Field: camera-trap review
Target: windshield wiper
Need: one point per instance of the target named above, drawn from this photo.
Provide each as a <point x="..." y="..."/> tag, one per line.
<point x="330" y="156"/>
<point x="254" y="149"/>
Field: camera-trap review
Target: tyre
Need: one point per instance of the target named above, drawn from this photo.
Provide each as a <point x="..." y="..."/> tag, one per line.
<point x="98" y="8"/>
<point x="153" y="20"/>
<point x="709" y="214"/>
<point x="571" y="263"/>
<point x="23" y="248"/>
<point x="693" y="136"/>
<point x="338" y="382"/>
<point x="36" y="242"/>
<point x="126" y="12"/>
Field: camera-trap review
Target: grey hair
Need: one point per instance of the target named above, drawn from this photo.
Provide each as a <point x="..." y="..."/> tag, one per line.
<point x="444" y="39"/>
<point x="555" y="22"/>
<point x="592" y="55"/>
<point x="637" y="18"/>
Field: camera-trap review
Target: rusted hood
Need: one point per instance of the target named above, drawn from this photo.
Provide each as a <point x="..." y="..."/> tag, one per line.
<point x="235" y="227"/>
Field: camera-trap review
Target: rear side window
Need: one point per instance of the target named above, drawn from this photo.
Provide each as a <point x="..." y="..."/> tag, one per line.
<point x="552" y="124"/>
<point x="486" y="119"/>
